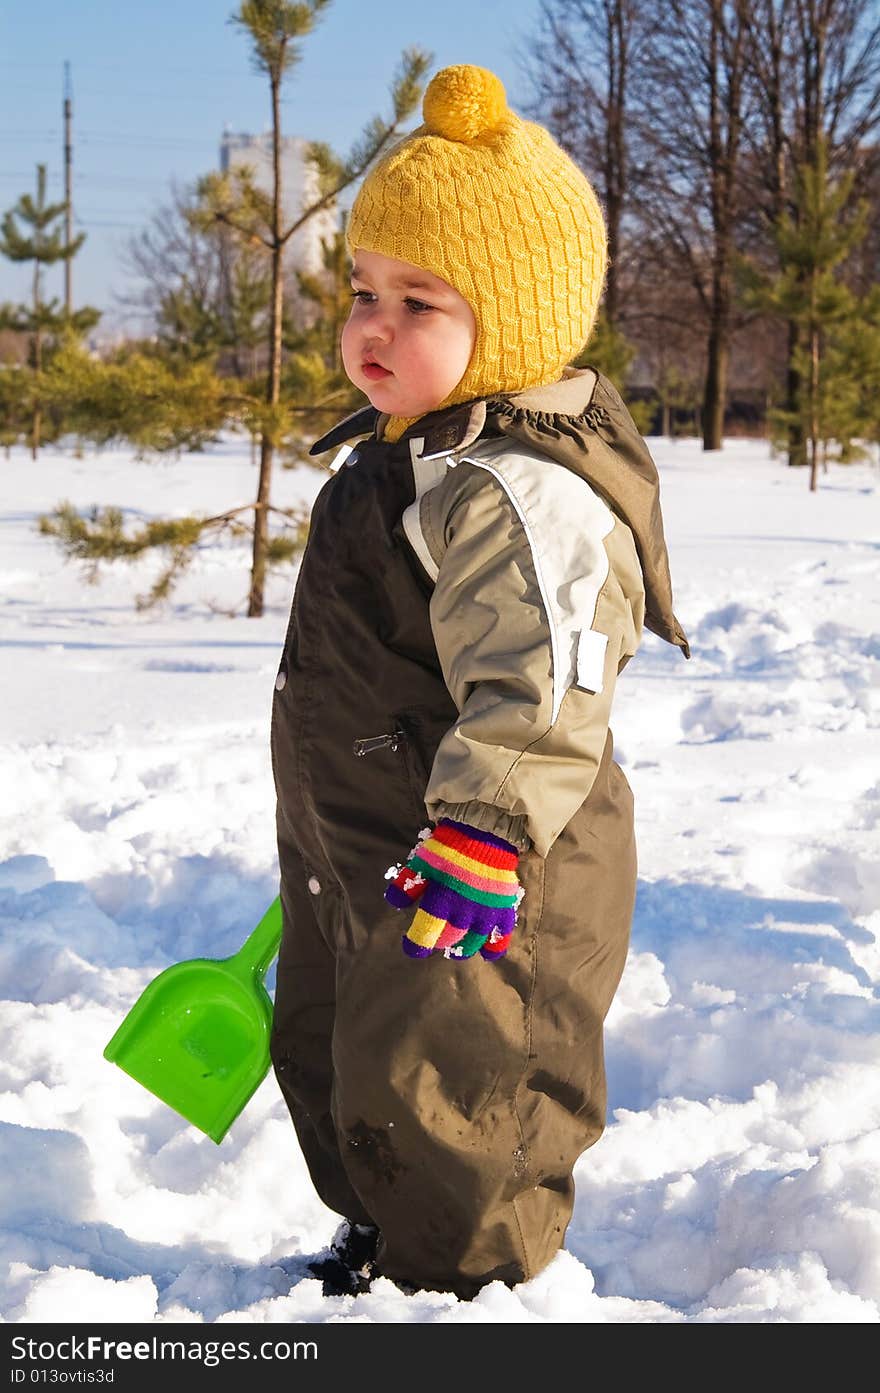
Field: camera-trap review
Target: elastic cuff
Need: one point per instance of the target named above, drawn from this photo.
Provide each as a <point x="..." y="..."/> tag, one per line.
<point x="479" y="835"/>
<point x="510" y="826"/>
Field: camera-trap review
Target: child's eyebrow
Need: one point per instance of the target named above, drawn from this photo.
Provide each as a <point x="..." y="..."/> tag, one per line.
<point x="400" y="282"/>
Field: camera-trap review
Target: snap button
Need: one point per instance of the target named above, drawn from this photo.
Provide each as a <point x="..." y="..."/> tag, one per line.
<point x="281" y="681"/>
<point x="314" y="885"/>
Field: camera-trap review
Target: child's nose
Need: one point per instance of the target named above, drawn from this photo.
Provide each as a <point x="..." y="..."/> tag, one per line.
<point x="377" y="324"/>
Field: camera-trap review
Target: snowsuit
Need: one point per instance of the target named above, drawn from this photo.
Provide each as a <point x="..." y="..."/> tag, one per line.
<point x="465" y="602"/>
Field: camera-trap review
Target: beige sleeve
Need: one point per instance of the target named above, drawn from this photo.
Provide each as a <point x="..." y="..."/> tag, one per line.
<point x="538" y="603"/>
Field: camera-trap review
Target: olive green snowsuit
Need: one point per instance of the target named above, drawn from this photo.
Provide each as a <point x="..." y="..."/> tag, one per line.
<point x="465" y="602"/>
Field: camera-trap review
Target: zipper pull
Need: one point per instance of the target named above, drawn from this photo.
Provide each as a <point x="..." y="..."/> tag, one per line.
<point x="377" y="742"/>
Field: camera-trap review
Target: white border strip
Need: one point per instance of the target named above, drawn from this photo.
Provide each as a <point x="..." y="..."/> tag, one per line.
<point x="542" y="586"/>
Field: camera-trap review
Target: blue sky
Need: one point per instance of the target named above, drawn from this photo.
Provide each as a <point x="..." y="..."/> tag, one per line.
<point x="154" y="85"/>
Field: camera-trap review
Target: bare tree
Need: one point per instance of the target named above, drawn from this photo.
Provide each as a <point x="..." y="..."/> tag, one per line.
<point x="689" y="124"/>
<point x="579" y="67"/>
<point x="202" y="292"/>
<point x="837" y="94"/>
<point x="647" y="97"/>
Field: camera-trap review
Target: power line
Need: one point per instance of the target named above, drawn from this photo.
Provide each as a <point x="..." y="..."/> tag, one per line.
<point x="130" y="141"/>
<point x="105" y="213"/>
<point x="30" y="135"/>
<point x="126" y="181"/>
<point x="150" y="142"/>
<point x="121" y="68"/>
<point x="157" y="94"/>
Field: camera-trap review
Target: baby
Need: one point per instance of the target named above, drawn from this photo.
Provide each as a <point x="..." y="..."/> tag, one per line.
<point x="479" y="569"/>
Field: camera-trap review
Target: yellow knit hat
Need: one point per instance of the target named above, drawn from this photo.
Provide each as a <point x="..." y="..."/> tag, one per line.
<point x="492" y="205"/>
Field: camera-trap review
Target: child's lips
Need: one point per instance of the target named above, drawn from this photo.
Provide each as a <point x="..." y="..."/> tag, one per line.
<point x="374" y="371"/>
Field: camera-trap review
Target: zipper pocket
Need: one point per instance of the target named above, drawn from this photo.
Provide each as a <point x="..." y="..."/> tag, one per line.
<point x="407" y="725"/>
<point x="400" y="739"/>
<point x="368" y="744"/>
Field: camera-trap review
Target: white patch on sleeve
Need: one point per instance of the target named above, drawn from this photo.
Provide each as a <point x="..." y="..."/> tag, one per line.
<point x="565" y="523"/>
<point x="591" y="660"/>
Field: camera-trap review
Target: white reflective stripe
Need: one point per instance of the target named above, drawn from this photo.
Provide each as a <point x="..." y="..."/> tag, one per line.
<point x="438" y="454"/>
<point x="340" y="457"/>
<point x="565" y="523"/>
<point x="426" y="473"/>
<point x="415" y="452"/>
<point x="412" y="526"/>
<point x="591" y="660"/>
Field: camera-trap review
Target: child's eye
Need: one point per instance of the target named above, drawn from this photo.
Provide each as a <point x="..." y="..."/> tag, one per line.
<point x="363" y="297"/>
<point x="417" y="306"/>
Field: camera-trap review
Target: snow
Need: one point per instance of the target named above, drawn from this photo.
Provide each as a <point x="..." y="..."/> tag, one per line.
<point x="739" y="1177"/>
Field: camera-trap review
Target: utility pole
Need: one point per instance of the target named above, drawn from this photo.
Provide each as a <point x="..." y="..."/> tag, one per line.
<point x="68" y="190"/>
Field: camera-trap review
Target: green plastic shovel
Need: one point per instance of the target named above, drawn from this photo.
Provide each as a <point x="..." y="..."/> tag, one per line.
<point x="198" y="1036"/>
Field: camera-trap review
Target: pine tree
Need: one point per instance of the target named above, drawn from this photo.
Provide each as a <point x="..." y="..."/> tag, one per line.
<point x="274" y="26"/>
<point x="40" y="240"/>
<point x="851" y="379"/>
<point x="224" y="320"/>
<point x="138" y="397"/>
<point x="607" y="350"/>
<point x="812" y="244"/>
<point x="313" y="374"/>
<point x="205" y="291"/>
<point x="611" y="352"/>
<point x="15" y="403"/>
<point x="157" y="406"/>
<point x="159" y="400"/>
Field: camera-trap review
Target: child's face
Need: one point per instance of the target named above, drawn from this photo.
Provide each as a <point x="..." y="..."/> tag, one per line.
<point x="409" y="337"/>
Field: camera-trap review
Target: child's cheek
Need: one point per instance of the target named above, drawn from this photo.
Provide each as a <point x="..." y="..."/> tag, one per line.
<point x="347" y="348"/>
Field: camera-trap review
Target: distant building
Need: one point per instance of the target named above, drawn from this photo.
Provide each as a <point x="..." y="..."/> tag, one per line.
<point x="298" y="190"/>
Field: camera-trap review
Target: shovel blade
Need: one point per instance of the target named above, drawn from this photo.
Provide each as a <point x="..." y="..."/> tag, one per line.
<point x="198" y="1039"/>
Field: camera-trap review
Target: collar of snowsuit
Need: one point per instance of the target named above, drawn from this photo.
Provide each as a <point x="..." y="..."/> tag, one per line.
<point x="582" y="423"/>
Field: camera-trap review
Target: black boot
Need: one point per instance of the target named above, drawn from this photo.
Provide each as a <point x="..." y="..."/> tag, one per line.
<point x="349" y="1265"/>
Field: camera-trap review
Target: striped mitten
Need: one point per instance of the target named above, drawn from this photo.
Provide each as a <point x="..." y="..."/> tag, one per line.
<point x="465" y="885"/>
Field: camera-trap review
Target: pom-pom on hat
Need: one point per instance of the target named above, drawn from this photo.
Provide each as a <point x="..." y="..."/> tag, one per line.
<point x="490" y="203"/>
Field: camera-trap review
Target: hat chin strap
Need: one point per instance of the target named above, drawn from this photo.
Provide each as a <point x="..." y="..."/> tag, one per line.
<point x="472" y="387"/>
<point x="396" y="425"/>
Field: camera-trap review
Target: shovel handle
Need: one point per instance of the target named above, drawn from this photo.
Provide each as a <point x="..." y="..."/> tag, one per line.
<point x="260" y="947"/>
